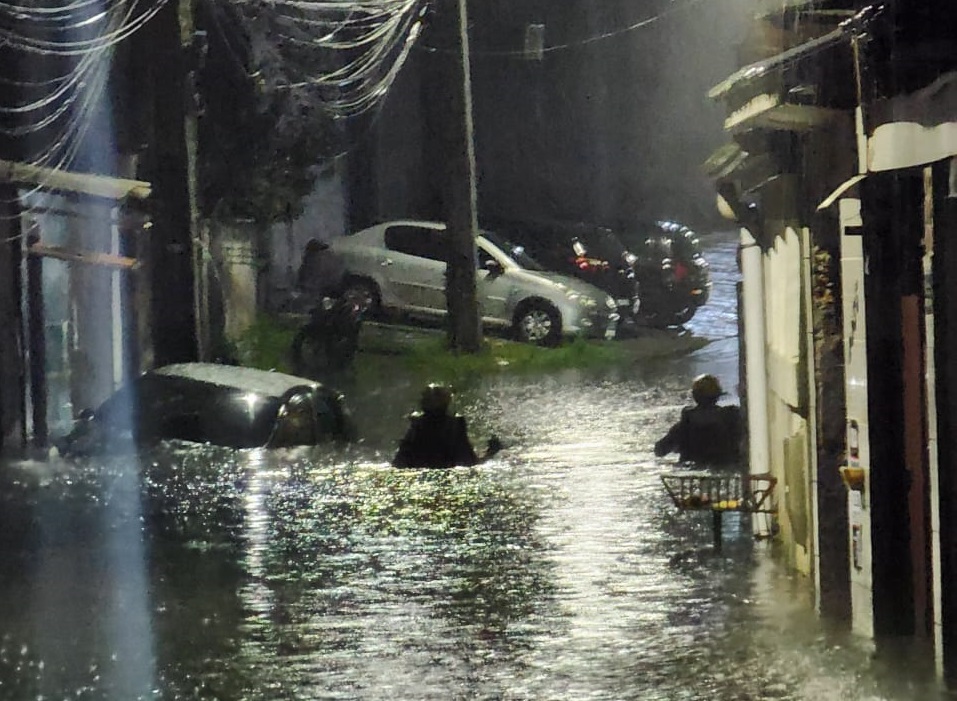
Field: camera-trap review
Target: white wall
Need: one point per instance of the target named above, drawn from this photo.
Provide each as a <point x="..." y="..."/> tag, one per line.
<point x="855" y="361"/>
<point x="324" y="217"/>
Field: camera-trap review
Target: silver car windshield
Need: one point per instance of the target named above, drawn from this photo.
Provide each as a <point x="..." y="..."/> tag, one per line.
<point x="514" y="251"/>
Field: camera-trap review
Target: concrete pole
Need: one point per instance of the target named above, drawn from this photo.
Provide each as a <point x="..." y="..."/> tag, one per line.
<point x="199" y="233"/>
<point x="752" y="273"/>
<point x="465" y="333"/>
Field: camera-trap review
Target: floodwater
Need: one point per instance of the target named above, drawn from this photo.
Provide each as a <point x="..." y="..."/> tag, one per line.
<point x="558" y="571"/>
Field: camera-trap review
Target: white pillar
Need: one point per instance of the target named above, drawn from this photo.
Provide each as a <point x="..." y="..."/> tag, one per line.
<point x="752" y="273"/>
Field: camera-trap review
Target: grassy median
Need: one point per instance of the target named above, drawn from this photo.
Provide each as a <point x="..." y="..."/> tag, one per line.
<point x="266" y="345"/>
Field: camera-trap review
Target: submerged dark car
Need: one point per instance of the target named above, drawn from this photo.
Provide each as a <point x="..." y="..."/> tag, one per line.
<point x="216" y="404"/>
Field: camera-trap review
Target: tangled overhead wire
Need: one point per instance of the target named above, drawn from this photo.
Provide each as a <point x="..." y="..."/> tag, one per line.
<point x="347" y="54"/>
<point x="344" y="55"/>
<point x="54" y="66"/>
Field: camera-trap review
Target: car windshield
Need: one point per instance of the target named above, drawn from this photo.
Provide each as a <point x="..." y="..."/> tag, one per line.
<point x="514" y="251"/>
<point x="239" y="420"/>
<point x="176" y="408"/>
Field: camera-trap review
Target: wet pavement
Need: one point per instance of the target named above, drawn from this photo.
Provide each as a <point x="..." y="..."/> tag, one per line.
<point x="558" y="571"/>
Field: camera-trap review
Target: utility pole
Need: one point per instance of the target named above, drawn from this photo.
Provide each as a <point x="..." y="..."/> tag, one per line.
<point x="199" y="231"/>
<point x="458" y="152"/>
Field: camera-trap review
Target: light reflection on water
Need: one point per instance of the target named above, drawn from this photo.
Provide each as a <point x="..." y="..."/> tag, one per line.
<point x="557" y="571"/>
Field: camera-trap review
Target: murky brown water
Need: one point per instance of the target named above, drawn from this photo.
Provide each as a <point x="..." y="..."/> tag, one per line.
<point x="558" y="571"/>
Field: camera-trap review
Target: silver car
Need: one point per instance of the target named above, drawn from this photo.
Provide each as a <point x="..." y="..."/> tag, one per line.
<point x="400" y="266"/>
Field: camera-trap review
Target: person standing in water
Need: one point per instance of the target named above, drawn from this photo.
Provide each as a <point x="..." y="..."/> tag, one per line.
<point x="437" y="438"/>
<point x="707" y="432"/>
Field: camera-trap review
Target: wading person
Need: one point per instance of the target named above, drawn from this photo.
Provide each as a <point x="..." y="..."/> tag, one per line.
<point x="437" y="438"/>
<point x="707" y="432"/>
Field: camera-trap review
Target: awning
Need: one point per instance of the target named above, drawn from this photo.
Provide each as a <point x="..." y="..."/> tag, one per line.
<point x="760" y="68"/>
<point x="108" y="260"/>
<point x="770" y="8"/>
<point x="769" y="111"/>
<point x="749" y="172"/>
<point x="840" y="190"/>
<point x="725" y="160"/>
<point x="914" y="129"/>
<point x="84" y="183"/>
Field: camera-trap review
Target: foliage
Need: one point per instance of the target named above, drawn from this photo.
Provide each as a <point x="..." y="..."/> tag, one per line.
<point x="259" y="145"/>
<point x="265" y="344"/>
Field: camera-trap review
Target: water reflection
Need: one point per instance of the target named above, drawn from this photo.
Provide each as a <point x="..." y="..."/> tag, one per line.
<point x="76" y="590"/>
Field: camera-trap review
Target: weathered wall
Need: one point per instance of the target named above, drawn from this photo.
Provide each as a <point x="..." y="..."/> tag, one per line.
<point x="324" y="217"/>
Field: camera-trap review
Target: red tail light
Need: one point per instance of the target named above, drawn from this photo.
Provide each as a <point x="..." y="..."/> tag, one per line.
<point x="584" y="263"/>
<point x="680" y="271"/>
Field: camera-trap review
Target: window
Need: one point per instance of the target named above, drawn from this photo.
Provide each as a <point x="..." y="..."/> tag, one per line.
<point x="415" y="241"/>
<point x="296" y="423"/>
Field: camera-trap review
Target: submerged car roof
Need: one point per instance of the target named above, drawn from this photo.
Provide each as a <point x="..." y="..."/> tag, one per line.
<point x="264" y="382"/>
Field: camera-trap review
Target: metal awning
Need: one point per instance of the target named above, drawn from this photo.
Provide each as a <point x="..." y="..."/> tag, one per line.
<point x="748" y="171"/>
<point x="914" y="129"/>
<point x="761" y="68"/>
<point x="770" y="111"/>
<point x="67" y="181"/>
<point x="840" y="190"/>
<point x="769" y="8"/>
<point x="725" y="160"/>
<point x="108" y="260"/>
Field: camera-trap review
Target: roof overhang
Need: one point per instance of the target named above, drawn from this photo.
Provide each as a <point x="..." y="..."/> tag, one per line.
<point x="770" y="111"/>
<point x="770" y="8"/>
<point x="82" y="183"/>
<point x="760" y="69"/>
<point x="840" y="190"/>
<point x="914" y="129"/>
<point x="748" y="172"/>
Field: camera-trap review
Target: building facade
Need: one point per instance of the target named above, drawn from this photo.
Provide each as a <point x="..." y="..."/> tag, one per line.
<point x="841" y="172"/>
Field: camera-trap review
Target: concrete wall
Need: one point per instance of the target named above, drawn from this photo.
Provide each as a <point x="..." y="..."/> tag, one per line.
<point x="789" y="432"/>
<point x="323" y="217"/>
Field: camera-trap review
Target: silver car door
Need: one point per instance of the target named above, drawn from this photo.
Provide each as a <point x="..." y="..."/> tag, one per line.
<point x="432" y="281"/>
<point x="407" y="266"/>
<point x="493" y="285"/>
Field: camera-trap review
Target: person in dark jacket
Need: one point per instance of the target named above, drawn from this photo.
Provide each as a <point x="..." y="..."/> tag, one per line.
<point x="321" y="272"/>
<point x="437" y="438"/>
<point x="707" y="432"/>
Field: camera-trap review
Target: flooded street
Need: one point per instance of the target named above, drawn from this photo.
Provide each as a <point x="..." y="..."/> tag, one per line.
<point x="558" y="571"/>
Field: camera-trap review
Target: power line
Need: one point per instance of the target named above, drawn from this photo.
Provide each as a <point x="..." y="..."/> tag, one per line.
<point x="603" y="36"/>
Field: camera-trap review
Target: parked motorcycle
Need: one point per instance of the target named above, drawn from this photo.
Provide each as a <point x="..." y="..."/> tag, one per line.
<point x="328" y="341"/>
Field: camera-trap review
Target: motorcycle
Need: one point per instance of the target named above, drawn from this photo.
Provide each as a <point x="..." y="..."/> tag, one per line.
<point x="329" y="339"/>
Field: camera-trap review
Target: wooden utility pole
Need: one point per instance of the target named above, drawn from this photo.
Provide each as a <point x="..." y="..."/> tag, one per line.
<point x="465" y="331"/>
<point x="199" y="231"/>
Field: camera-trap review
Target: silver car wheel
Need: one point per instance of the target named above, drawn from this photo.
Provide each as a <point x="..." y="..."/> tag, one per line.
<point x="539" y="325"/>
